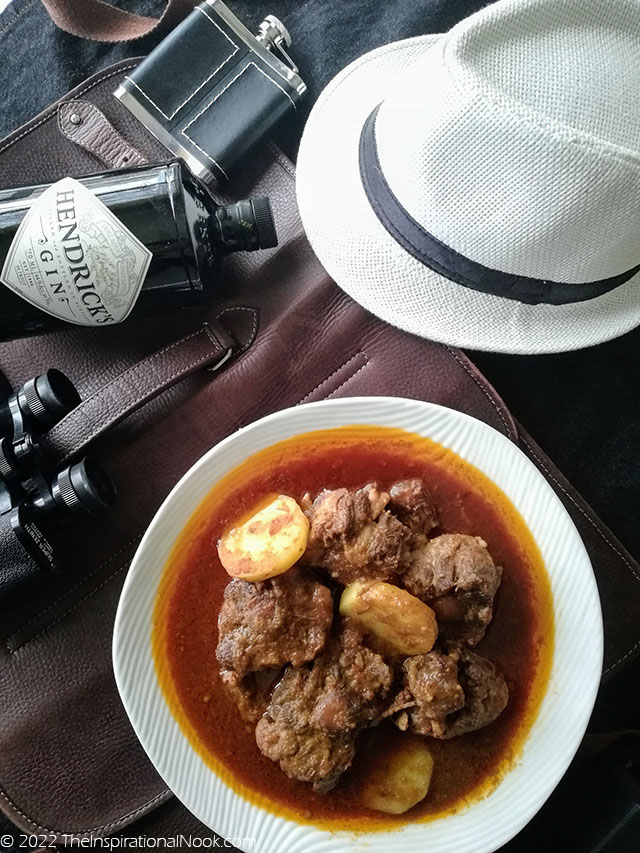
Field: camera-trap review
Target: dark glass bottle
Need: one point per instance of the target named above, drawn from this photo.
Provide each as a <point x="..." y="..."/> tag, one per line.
<point x="74" y="263"/>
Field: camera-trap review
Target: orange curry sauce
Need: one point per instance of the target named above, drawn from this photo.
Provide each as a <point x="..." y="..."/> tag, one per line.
<point x="520" y="638"/>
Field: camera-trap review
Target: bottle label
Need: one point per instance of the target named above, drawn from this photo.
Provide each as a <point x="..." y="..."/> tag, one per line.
<point x="72" y="258"/>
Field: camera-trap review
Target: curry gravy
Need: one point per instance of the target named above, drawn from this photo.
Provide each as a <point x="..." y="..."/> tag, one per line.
<point x="519" y="640"/>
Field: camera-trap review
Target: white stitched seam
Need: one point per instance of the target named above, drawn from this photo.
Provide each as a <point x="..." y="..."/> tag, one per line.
<point x="142" y="92"/>
<point x="204" y="82"/>
<point x="84" y="832"/>
<point x="212" y="102"/>
<point x="222" y="91"/>
<point x="510" y="431"/>
<point x="348" y="379"/>
<point x="16" y="17"/>
<point x="203" y="110"/>
<point x="208" y="156"/>
<point x="215" y="71"/>
<point x="331" y="375"/>
<point x="271" y="80"/>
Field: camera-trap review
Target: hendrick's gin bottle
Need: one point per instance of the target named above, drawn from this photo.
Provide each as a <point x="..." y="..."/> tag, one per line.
<point x="93" y="251"/>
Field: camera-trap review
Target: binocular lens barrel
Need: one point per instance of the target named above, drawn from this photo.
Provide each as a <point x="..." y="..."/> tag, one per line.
<point x="46" y="399"/>
<point x="85" y="485"/>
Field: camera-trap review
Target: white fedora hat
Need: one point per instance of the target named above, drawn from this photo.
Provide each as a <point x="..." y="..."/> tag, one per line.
<point x="482" y="187"/>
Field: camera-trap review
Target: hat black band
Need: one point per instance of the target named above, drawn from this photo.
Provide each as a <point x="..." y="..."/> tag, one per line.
<point x="445" y="261"/>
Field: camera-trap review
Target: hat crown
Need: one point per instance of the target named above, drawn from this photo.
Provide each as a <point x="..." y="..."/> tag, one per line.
<point x="515" y="140"/>
<point x="573" y="61"/>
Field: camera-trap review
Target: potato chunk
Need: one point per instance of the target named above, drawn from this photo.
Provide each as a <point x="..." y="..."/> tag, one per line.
<point x="400" y="779"/>
<point x="405" y="625"/>
<point x="268" y="543"/>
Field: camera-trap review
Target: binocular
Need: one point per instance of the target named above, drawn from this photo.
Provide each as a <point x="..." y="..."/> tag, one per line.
<point x="35" y="503"/>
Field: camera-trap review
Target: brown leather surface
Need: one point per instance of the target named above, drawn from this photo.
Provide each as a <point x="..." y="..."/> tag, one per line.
<point x="22" y="162"/>
<point x="70" y="762"/>
<point x="87" y="126"/>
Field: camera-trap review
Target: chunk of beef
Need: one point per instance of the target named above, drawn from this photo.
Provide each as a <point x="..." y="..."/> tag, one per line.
<point x="455" y="575"/>
<point x="309" y="755"/>
<point x="485" y="694"/>
<point x="411" y="503"/>
<point x="282" y="620"/>
<point x="446" y="695"/>
<point x="251" y="693"/>
<point x="315" y="712"/>
<point x="431" y="683"/>
<point x="353" y="536"/>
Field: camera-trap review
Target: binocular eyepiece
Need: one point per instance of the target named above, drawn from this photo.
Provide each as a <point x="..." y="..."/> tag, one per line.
<point x="82" y="486"/>
<point x="41" y="402"/>
<point x="26" y="414"/>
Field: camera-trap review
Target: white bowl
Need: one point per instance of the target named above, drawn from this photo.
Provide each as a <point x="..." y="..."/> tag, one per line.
<point x="484" y="825"/>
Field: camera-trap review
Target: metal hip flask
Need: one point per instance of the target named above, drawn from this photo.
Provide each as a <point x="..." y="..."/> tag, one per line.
<point x="211" y="90"/>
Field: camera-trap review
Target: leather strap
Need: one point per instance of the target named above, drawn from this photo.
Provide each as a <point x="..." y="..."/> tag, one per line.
<point x="100" y="21"/>
<point x="87" y="126"/>
<point x="209" y="347"/>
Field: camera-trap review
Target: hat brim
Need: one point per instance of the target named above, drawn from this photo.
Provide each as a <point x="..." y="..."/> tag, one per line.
<point x="365" y="260"/>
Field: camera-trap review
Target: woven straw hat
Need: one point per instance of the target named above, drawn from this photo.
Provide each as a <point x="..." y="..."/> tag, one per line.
<point x="482" y="187"/>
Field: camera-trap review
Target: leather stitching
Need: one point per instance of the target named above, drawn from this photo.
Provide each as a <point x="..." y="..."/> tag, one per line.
<point x="224" y="89"/>
<point x="215" y="71"/>
<point x="51" y="115"/>
<point x="138" y="364"/>
<point x="98" y="394"/>
<point x="204" y="82"/>
<point x="134" y="402"/>
<point x="595" y="527"/>
<point x="254" y="324"/>
<point x="165" y="794"/>
<point x="66" y="594"/>
<point x="219" y="94"/>
<point x="111" y="149"/>
<point x="281" y="160"/>
<point x="348" y="379"/>
<point x="331" y="375"/>
<point x="620" y="660"/>
<point x="485" y="391"/>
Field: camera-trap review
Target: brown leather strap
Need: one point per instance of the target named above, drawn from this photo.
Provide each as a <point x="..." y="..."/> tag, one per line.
<point x="209" y="347"/>
<point x="87" y="126"/>
<point x="100" y="21"/>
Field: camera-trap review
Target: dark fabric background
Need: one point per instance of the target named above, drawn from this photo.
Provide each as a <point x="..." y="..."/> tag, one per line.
<point x="583" y="408"/>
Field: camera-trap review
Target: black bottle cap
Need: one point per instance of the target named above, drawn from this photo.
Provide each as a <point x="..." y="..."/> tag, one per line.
<point x="245" y="226"/>
<point x="264" y="224"/>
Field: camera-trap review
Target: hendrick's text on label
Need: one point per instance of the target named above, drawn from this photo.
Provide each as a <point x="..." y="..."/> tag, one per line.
<point x="72" y="258"/>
